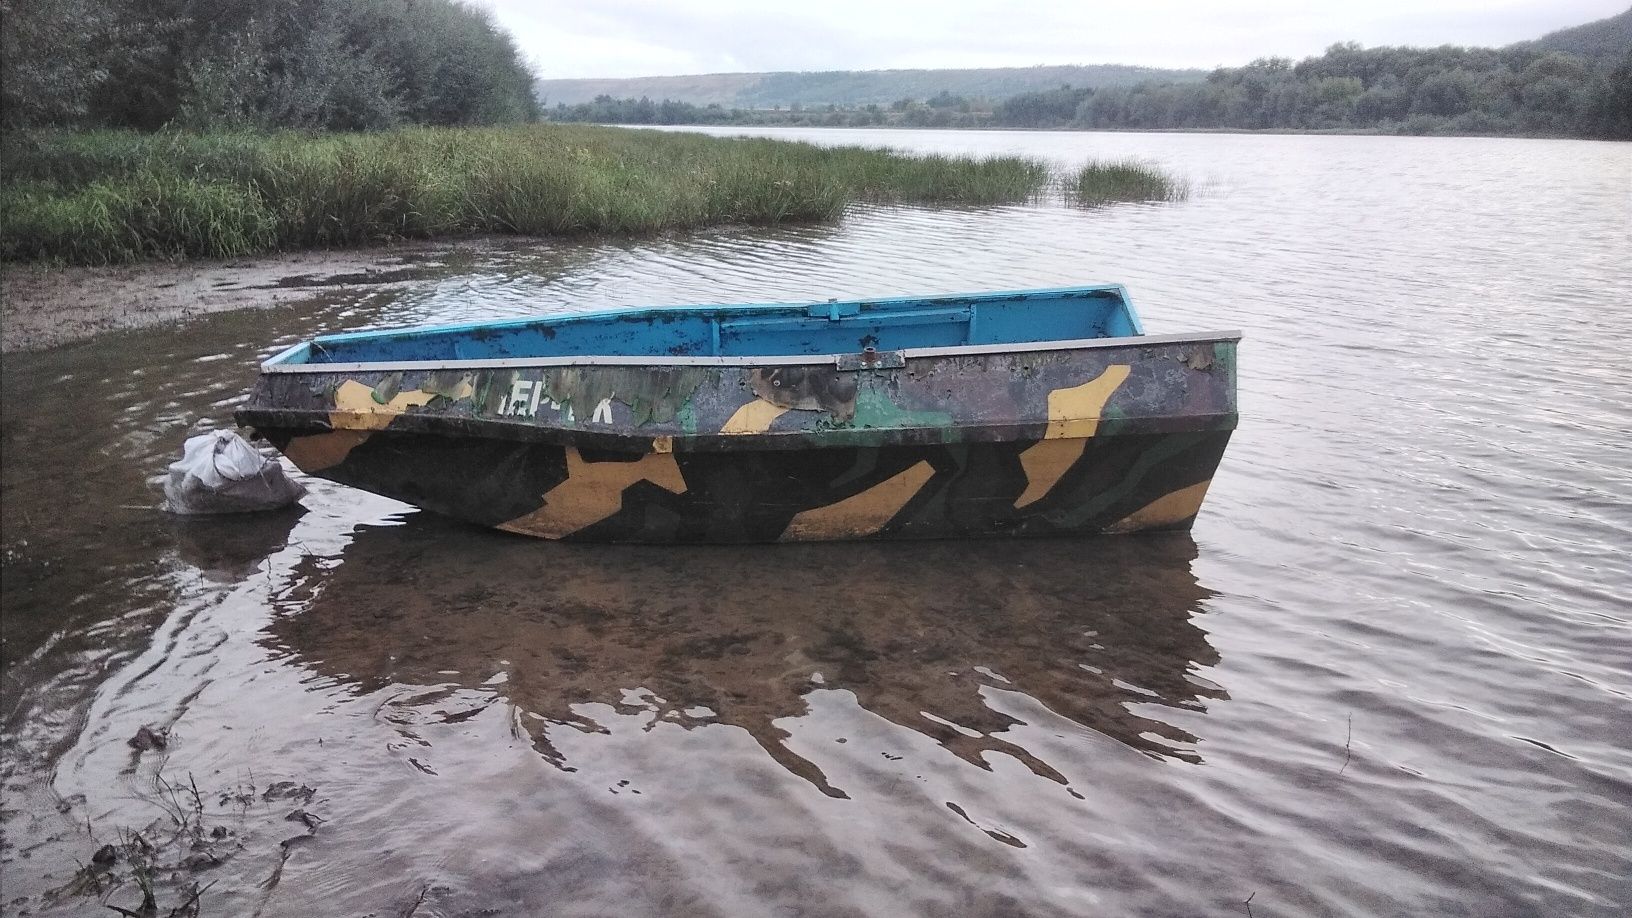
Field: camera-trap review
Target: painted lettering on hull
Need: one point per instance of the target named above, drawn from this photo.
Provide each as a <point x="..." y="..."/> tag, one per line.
<point x="976" y="445"/>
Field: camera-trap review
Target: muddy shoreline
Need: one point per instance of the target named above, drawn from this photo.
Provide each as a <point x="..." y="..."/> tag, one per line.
<point x="43" y="307"/>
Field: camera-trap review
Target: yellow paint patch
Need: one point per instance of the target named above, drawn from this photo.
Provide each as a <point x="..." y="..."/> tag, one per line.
<point x="592" y="492"/>
<point x="1046" y="462"/>
<point x="356" y="409"/>
<point x="860" y="514"/>
<point x="1073" y="417"/>
<point x="663" y="444"/>
<point x="753" y="418"/>
<point x="1074" y="412"/>
<point x="1167" y="510"/>
<point x="320" y="451"/>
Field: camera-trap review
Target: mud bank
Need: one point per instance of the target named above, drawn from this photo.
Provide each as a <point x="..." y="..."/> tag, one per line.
<point x="46" y="307"/>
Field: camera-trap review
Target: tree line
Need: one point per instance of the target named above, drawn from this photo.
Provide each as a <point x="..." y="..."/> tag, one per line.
<point x="943" y="110"/>
<point x="1521" y="89"/>
<point x="318" y="64"/>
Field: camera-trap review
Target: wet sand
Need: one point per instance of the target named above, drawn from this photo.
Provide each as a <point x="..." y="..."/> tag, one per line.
<point x="47" y="306"/>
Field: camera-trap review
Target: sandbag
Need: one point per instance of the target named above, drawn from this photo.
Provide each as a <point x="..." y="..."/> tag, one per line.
<point x="220" y="472"/>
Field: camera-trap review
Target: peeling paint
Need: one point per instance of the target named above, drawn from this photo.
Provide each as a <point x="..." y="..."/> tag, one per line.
<point x="752" y="418"/>
<point x="1057" y="442"/>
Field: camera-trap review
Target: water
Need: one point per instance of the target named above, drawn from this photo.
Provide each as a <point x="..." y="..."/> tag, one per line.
<point x="1390" y="672"/>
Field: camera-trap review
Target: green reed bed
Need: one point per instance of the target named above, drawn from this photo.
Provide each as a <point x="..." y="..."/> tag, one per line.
<point x="1127" y="180"/>
<point x="114" y="196"/>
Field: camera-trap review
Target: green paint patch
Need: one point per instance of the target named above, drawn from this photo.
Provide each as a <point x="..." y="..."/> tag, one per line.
<point x="686" y="417"/>
<point x="386" y="389"/>
<point x="1224" y="359"/>
<point x="875" y="408"/>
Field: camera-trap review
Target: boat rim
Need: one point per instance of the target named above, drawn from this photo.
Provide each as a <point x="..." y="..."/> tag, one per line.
<point x="277" y="364"/>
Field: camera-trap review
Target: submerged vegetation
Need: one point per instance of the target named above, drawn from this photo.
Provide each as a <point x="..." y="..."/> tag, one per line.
<point x="111" y="196"/>
<point x="1123" y="180"/>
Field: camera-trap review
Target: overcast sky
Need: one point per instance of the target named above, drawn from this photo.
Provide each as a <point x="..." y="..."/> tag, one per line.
<point x="619" y="38"/>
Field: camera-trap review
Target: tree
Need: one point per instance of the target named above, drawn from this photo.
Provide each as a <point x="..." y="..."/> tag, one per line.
<point x="1446" y="94"/>
<point x="338" y="64"/>
<point x="50" y="61"/>
<point x="1617" y="106"/>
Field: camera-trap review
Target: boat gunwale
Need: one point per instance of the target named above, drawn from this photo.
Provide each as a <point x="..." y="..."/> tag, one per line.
<point x="275" y="364"/>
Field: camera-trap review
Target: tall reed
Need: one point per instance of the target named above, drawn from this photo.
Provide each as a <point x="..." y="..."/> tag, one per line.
<point x="1108" y="181"/>
<point x="112" y="196"/>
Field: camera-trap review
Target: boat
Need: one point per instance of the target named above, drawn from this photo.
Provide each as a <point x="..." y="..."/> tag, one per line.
<point x="1016" y="413"/>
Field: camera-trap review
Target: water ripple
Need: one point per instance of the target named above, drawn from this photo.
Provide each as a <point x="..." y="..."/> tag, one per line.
<point x="1387" y="674"/>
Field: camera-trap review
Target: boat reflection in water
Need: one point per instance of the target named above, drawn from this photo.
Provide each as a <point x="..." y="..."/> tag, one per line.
<point x="1100" y="631"/>
<point x="232" y="547"/>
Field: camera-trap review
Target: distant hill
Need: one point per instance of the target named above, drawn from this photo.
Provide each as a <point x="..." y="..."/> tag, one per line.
<point x="1610" y="37"/>
<point x="849" y="88"/>
<point x="699" y="89"/>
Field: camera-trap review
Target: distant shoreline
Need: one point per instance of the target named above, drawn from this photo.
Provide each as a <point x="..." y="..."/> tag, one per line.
<point x="1576" y="83"/>
<point x="996" y="129"/>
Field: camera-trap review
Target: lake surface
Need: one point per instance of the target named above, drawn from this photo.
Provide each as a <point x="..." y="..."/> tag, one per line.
<point x="1390" y="671"/>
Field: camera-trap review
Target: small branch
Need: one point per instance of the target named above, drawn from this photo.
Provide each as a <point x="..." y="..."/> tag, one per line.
<point x="418" y="901"/>
<point x="192" y="900"/>
<point x="1348" y="753"/>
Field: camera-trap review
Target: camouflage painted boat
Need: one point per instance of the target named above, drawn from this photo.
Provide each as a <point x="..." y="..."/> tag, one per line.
<point x="1028" y="413"/>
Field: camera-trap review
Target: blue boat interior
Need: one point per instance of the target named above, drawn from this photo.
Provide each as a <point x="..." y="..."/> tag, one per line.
<point x="761" y="330"/>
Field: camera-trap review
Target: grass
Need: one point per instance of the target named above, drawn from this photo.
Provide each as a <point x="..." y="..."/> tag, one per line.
<point x="1123" y="180"/>
<point x="118" y="196"/>
<point x="113" y="196"/>
<point x="157" y="859"/>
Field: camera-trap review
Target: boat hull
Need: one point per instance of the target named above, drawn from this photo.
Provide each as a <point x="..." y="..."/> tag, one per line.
<point x="976" y="490"/>
<point x="1115" y="436"/>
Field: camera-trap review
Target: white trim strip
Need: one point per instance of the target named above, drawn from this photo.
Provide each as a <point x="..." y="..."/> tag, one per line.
<point x="272" y="366"/>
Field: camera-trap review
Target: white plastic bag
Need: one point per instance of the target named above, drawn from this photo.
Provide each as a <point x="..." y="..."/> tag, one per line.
<point x="219" y="472"/>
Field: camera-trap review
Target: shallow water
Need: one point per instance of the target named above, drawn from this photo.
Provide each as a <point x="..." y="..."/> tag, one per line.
<point x="1390" y="671"/>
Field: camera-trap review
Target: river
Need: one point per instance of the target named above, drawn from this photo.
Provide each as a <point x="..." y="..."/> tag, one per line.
<point x="1389" y="672"/>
